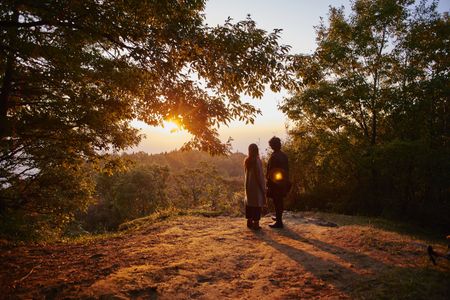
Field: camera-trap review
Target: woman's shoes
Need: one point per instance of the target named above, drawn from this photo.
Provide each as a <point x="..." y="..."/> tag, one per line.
<point x="253" y="225"/>
<point x="249" y="224"/>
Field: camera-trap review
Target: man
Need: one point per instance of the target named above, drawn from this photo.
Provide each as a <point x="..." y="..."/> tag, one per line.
<point x="278" y="183"/>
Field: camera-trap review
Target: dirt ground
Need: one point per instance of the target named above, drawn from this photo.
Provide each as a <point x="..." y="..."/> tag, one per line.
<point x="194" y="257"/>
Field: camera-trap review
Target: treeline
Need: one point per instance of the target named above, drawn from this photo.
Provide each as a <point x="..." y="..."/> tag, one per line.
<point x="401" y="180"/>
<point x="155" y="182"/>
<point x="131" y="186"/>
<point x="372" y="114"/>
<point x="231" y="166"/>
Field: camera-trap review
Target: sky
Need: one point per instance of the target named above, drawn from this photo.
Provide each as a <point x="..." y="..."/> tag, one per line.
<point x="297" y="18"/>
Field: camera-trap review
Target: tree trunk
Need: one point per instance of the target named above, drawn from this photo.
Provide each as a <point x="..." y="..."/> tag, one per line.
<point x="6" y="89"/>
<point x="5" y="93"/>
<point x="373" y="139"/>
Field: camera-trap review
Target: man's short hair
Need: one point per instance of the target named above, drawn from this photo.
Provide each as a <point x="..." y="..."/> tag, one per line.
<point x="275" y="143"/>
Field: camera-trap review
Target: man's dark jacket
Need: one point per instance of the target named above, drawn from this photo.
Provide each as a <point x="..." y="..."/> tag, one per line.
<point x="278" y="163"/>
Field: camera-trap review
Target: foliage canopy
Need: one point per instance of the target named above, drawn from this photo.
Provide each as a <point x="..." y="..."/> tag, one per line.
<point x="372" y="112"/>
<point x="73" y="74"/>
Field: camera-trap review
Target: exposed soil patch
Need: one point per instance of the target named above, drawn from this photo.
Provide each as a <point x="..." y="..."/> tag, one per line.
<point x="217" y="258"/>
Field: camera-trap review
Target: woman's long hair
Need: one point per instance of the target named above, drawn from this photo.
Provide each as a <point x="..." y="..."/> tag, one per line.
<point x="253" y="154"/>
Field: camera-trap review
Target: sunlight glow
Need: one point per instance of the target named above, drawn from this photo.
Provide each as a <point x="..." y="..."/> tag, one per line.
<point x="158" y="139"/>
<point x="172" y="126"/>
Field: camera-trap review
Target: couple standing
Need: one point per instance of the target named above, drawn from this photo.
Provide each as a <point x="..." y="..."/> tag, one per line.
<point x="276" y="186"/>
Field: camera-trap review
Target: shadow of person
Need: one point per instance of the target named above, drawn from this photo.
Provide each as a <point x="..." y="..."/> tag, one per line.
<point x="356" y="259"/>
<point x="316" y="257"/>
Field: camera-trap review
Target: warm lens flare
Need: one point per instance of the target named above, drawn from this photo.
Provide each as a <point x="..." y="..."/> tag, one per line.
<point x="278" y="176"/>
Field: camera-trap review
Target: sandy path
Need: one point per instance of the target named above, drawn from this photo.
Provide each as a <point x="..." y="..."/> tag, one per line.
<point x="216" y="258"/>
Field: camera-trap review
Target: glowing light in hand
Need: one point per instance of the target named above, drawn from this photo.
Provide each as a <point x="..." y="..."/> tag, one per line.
<point x="278" y="176"/>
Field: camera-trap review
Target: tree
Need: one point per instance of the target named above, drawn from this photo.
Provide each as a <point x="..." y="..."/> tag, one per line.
<point x="74" y="73"/>
<point x="124" y="196"/>
<point x="203" y="187"/>
<point x="382" y="60"/>
<point x="346" y="81"/>
<point x="372" y="96"/>
<point x="422" y="76"/>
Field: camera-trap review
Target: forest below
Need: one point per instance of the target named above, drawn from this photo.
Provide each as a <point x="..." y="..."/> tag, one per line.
<point x="168" y="181"/>
<point x="143" y="184"/>
<point x="195" y="182"/>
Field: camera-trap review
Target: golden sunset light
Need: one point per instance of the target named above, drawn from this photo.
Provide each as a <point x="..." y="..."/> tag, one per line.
<point x="172" y="126"/>
<point x="225" y="149"/>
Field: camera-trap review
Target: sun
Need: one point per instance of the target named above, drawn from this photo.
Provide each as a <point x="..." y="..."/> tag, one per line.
<point x="171" y="126"/>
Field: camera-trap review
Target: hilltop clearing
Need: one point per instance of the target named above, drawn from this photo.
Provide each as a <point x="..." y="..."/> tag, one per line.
<point x="219" y="258"/>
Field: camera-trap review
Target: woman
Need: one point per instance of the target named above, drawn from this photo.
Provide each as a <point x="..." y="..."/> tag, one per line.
<point x="254" y="187"/>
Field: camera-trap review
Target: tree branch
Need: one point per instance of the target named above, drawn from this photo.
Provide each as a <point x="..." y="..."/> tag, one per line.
<point x="16" y="24"/>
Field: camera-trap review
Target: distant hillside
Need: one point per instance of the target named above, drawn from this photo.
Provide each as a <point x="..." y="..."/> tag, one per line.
<point x="231" y="165"/>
